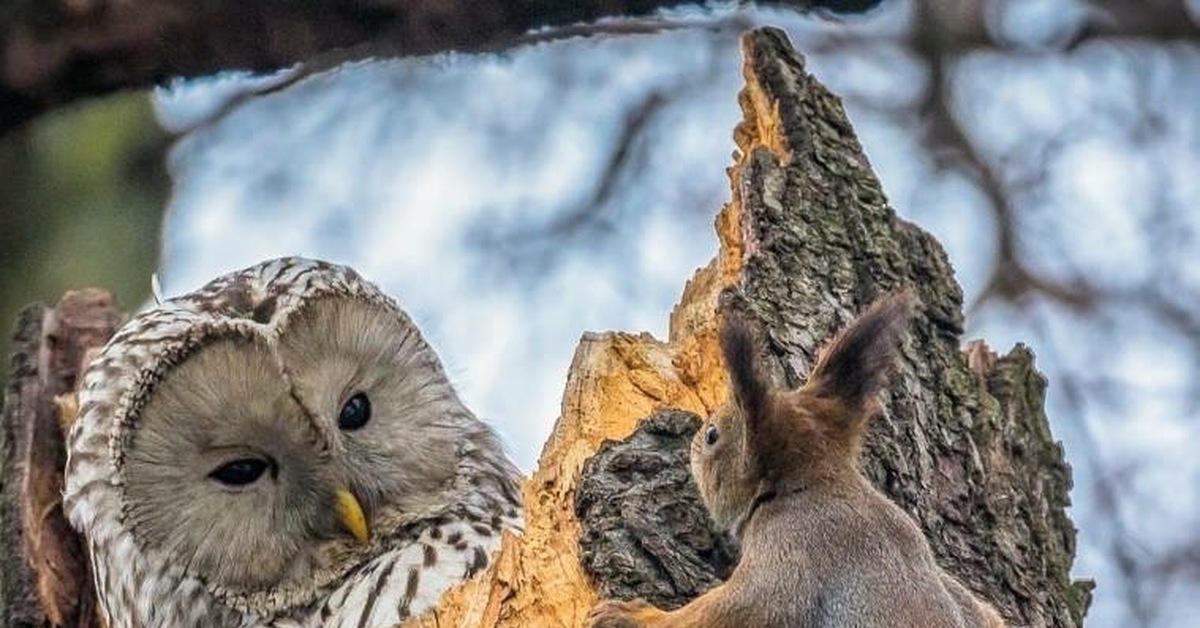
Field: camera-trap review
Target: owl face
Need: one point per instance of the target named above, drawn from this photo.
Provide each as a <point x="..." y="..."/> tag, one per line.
<point x="267" y="435"/>
<point x="227" y="474"/>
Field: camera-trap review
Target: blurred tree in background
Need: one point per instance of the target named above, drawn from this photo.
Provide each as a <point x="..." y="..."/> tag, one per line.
<point x="82" y="194"/>
<point x="1053" y="146"/>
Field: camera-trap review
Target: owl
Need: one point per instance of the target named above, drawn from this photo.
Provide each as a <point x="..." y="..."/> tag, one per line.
<point x="280" y="448"/>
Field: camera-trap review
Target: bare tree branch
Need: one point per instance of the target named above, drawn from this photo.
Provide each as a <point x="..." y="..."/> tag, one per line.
<point x="58" y="51"/>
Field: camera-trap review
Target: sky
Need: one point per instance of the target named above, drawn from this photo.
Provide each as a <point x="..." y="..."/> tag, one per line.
<point x="402" y="168"/>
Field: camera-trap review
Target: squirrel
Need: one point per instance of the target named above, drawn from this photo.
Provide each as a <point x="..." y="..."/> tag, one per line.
<point x="821" y="546"/>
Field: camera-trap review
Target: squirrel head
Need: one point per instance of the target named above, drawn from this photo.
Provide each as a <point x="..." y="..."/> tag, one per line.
<point x="766" y="442"/>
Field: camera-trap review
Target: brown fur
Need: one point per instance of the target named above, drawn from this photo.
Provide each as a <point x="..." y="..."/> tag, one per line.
<point x="821" y="547"/>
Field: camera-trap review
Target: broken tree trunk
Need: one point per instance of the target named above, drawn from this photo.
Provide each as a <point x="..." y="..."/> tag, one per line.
<point x="807" y="240"/>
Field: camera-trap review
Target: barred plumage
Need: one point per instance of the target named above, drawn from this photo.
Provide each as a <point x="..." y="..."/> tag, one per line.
<point x="227" y="438"/>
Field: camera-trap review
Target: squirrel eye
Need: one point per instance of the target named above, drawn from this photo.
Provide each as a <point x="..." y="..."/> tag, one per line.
<point x="355" y="413"/>
<point x="711" y="435"/>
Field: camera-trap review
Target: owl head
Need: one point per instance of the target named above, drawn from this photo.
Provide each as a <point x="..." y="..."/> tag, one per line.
<point x="256" y="440"/>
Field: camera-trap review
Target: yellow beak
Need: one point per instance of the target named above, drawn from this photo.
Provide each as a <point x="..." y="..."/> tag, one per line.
<point x="350" y="513"/>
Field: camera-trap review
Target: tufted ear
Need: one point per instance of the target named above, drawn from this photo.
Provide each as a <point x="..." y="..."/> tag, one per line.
<point x="856" y="364"/>
<point x="741" y="359"/>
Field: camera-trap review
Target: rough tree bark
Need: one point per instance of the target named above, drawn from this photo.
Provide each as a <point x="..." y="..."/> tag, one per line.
<point x="43" y="565"/>
<point x="53" y="52"/>
<point x="807" y="240"/>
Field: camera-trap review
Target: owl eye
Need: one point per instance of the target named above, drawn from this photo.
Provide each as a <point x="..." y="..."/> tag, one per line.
<point x="711" y="435"/>
<point x="239" y="472"/>
<point x="355" y="413"/>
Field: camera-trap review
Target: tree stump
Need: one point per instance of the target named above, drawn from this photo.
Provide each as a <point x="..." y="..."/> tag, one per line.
<point x="807" y="240"/>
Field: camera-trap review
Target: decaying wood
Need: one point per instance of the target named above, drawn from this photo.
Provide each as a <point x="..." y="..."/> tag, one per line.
<point x="807" y="240"/>
<point x="44" y="578"/>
